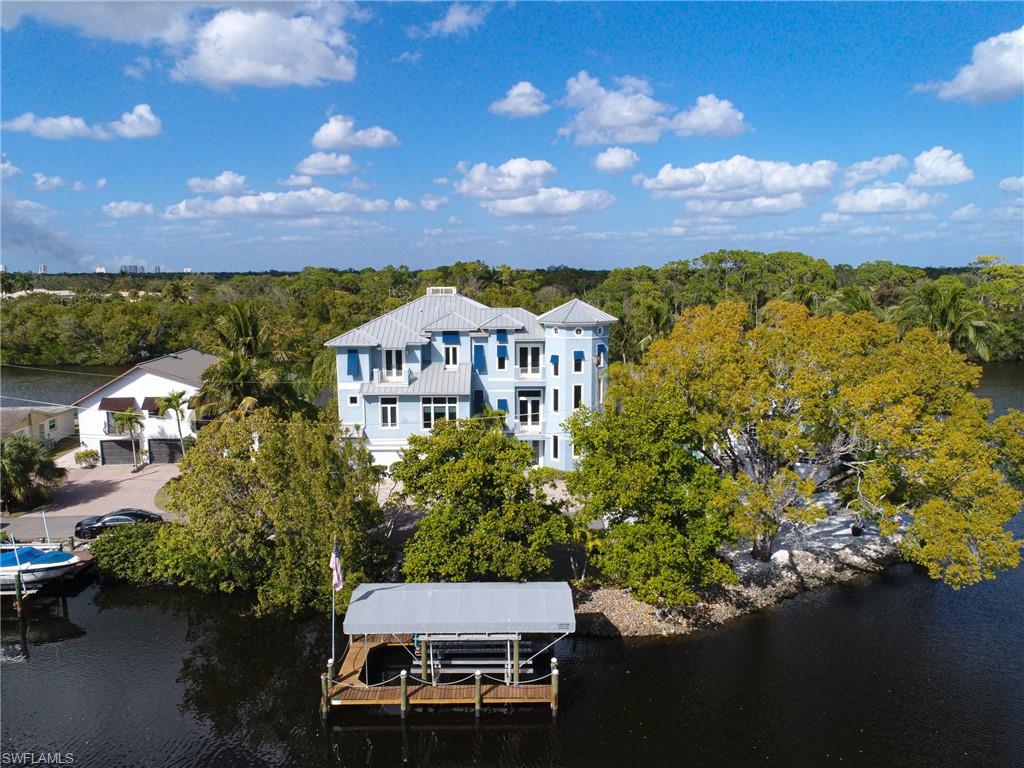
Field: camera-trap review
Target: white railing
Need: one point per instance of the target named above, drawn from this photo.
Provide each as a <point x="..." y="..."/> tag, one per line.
<point x="527" y="428"/>
<point x="528" y="374"/>
<point x="393" y="377"/>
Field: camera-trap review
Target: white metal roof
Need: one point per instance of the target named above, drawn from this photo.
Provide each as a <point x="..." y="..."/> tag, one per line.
<point x="435" y="379"/>
<point x="575" y="312"/>
<point x="461" y="608"/>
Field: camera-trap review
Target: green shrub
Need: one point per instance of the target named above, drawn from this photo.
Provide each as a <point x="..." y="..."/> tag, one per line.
<point x="129" y="553"/>
<point x="87" y="457"/>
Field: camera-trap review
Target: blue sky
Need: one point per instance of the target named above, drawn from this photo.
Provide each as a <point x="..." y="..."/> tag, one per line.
<point x="272" y="136"/>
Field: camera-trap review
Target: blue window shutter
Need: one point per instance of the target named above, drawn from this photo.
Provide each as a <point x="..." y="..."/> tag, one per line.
<point x="450" y="337"/>
<point x="578" y="355"/>
<point x="503" y="337"/>
<point x="502" y="352"/>
<point x="601" y="349"/>
<point x="353" y="363"/>
<point x="479" y="363"/>
<point x="478" y="400"/>
<point x="503" y="405"/>
<point x="554" y="359"/>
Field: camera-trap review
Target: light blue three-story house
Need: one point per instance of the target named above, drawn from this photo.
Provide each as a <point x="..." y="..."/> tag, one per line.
<point x="445" y="356"/>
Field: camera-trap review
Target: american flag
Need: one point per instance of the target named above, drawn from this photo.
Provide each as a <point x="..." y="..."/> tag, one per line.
<point x="337" y="579"/>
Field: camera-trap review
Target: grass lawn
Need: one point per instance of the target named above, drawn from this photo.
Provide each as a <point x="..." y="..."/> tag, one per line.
<point x="66" y="445"/>
<point x="163" y="496"/>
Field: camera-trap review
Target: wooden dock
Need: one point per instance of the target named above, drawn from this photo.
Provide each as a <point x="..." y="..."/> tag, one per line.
<point x="349" y="690"/>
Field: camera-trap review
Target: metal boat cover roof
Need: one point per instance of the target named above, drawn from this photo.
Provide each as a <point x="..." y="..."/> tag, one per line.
<point x="464" y="608"/>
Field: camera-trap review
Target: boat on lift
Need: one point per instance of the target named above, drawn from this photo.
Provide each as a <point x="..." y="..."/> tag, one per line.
<point x="36" y="566"/>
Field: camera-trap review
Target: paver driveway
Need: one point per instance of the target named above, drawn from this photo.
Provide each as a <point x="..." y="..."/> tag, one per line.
<point x="95" y="491"/>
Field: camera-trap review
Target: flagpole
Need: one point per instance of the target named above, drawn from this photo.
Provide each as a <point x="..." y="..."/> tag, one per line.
<point x="334" y="614"/>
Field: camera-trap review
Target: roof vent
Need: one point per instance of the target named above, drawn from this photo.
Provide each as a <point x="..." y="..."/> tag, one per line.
<point x="441" y="290"/>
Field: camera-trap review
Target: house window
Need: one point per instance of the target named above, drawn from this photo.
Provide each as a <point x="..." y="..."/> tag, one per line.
<point x="529" y="401"/>
<point x="353" y="400"/>
<point x="436" y="408"/>
<point x="577" y="395"/>
<point x="554" y="400"/>
<point x="502" y="357"/>
<point x="529" y="359"/>
<point x="554" y="447"/>
<point x="600" y="330"/>
<point x="51" y="424"/>
<point x="554" y="365"/>
<point x="389" y="412"/>
<point x="451" y="357"/>
<point x="578" y="331"/>
<point x="577" y="362"/>
<point x="394" y="363"/>
<point x="478" y="401"/>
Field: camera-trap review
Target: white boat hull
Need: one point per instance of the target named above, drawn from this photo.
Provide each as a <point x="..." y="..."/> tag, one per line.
<point x="34" y="576"/>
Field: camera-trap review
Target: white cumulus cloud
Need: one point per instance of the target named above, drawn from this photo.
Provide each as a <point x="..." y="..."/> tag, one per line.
<point x="969" y="212"/>
<point x="741" y="177"/>
<point x="996" y="72"/>
<point x="101" y="182"/>
<point x="261" y="48"/>
<point x="325" y="164"/>
<point x="7" y="168"/>
<point x="124" y="209"/>
<point x="460" y="19"/>
<point x="513" y="178"/>
<point x="616" y="160"/>
<point x="551" y="201"/>
<point x="875" y="168"/>
<point x="751" y="206"/>
<point x="939" y="166"/>
<point x="123" y="22"/>
<point x="338" y="133"/>
<point x="433" y="202"/>
<point x="138" y="124"/>
<point x="523" y="99"/>
<point x="629" y="113"/>
<point x="296" y="180"/>
<point x="227" y="183"/>
<point x="44" y="183"/>
<point x="300" y="202"/>
<point x="1013" y="184"/>
<point x="710" y="116"/>
<point x="404" y="206"/>
<point x="886" y="198"/>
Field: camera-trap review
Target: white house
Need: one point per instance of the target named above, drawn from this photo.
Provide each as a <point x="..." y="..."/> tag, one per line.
<point x="45" y="423"/>
<point x="137" y="389"/>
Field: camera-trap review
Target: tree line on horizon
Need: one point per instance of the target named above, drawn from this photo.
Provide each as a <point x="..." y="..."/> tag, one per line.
<point x="979" y="309"/>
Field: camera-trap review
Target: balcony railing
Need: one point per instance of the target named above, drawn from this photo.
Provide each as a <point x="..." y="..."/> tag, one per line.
<point x="381" y="376"/>
<point x="528" y="374"/>
<point x="527" y="428"/>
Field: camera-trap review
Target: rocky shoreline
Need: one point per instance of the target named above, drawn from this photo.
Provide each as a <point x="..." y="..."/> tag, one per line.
<point x="825" y="553"/>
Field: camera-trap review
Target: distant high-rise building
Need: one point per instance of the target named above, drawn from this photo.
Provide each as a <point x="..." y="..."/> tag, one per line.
<point x="101" y="270"/>
<point x="3" y="267"/>
<point x="156" y="270"/>
<point x="133" y="269"/>
<point x="41" y="269"/>
<point x="187" y="270"/>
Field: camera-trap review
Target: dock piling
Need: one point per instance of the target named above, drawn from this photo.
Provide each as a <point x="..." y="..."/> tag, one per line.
<point x="515" y="661"/>
<point x="403" y="684"/>
<point x="18" y="594"/>
<point x="478" y="700"/>
<point x="325" y="702"/>
<point x="554" y="686"/>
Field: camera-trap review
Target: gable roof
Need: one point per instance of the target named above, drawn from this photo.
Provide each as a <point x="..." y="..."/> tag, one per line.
<point x="186" y="366"/>
<point x="453" y="321"/>
<point x="11" y="416"/>
<point x="575" y="312"/>
<point x="501" y="321"/>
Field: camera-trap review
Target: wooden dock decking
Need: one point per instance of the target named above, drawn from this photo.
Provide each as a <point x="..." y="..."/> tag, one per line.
<point x="349" y="690"/>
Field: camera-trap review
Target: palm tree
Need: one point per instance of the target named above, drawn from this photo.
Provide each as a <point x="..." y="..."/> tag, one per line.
<point x="944" y="307"/>
<point x="175" y="403"/>
<point x="851" y="299"/>
<point x="251" y="372"/>
<point x="26" y="469"/>
<point x="130" y="422"/>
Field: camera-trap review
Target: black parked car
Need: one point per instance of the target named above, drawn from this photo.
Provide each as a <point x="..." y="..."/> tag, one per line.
<point x="91" y="527"/>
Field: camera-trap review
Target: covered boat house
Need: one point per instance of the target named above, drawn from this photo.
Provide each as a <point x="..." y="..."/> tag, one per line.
<point x="467" y="644"/>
